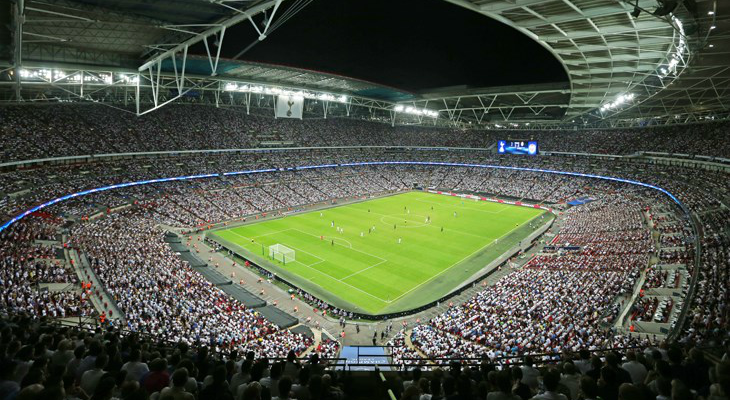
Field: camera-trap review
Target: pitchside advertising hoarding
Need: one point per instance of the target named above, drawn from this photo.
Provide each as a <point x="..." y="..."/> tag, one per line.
<point x="528" y="147"/>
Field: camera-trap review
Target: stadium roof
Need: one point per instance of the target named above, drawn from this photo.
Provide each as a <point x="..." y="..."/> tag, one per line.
<point x="620" y="66"/>
<point x="296" y="77"/>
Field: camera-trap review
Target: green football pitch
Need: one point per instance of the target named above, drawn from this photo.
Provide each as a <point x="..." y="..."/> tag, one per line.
<point x="388" y="254"/>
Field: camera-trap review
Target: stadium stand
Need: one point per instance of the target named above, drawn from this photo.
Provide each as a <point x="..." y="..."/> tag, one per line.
<point x="191" y="333"/>
<point x="42" y="131"/>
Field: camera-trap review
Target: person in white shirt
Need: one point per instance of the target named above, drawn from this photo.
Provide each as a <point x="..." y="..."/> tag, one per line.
<point x="551" y="380"/>
<point x="177" y="391"/>
<point x="90" y="378"/>
<point x="242" y="376"/>
<point x="416" y="373"/>
<point x="584" y="363"/>
<point x="571" y="379"/>
<point x="530" y="374"/>
<point x="636" y="369"/>
<point x="63" y="354"/>
<point x="272" y="381"/>
<point x="504" y="384"/>
<point x="134" y="367"/>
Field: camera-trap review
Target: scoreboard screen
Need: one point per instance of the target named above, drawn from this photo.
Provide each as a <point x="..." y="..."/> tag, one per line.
<point x="517" y="147"/>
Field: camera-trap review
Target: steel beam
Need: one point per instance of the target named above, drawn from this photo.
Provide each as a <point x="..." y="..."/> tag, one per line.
<point x="242" y="16"/>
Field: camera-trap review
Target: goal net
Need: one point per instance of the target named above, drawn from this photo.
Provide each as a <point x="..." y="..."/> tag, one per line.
<point x="281" y="253"/>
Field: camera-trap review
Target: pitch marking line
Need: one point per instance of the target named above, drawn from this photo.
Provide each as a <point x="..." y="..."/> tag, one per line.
<point x="345" y="283"/>
<point x="321" y="260"/>
<point x="463" y="207"/>
<point x="420" y="224"/>
<point x="273" y="233"/>
<point x="349" y="245"/>
<point x="460" y="261"/>
<point x="351" y="248"/>
<point x="324" y="273"/>
<point x="363" y="270"/>
<point x="427" y="224"/>
<point x="416" y="224"/>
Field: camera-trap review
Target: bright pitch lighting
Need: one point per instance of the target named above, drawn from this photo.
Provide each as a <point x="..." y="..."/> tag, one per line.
<point x="388" y="254"/>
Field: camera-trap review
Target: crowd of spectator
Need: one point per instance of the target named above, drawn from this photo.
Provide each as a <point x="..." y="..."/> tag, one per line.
<point x="25" y="264"/>
<point x="161" y="295"/>
<point x="41" y="131"/>
<point x="42" y="360"/>
<point x="662" y="372"/>
<point x="558" y="301"/>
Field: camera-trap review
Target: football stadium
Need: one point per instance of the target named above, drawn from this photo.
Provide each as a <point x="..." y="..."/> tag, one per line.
<point x="364" y="199"/>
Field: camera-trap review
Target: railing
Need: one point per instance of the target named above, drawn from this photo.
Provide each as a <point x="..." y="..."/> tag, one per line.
<point x="91" y="324"/>
<point x="681" y="320"/>
<point x="706" y="162"/>
<point x="87" y="158"/>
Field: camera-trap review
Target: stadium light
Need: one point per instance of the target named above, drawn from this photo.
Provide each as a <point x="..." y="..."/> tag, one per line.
<point x="416" y="111"/>
<point x="325" y="97"/>
<point x="620" y="100"/>
<point x="279" y="91"/>
<point x="678" y="54"/>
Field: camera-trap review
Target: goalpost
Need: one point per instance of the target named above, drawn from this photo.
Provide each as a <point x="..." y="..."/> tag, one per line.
<point x="281" y="253"/>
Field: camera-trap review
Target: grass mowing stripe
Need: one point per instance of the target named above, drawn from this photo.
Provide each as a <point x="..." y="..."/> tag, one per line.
<point x="458" y="262"/>
<point x="385" y="257"/>
<point x="316" y="270"/>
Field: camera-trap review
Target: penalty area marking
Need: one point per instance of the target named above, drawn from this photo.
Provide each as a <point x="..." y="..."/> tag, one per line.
<point x="351" y="248"/>
<point x="322" y="260"/>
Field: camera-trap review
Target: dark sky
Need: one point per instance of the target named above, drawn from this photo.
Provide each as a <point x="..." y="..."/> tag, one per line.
<point x="407" y="44"/>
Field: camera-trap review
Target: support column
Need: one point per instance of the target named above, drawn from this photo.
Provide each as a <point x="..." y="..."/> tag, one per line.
<point x="19" y="14"/>
<point x="136" y="93"/>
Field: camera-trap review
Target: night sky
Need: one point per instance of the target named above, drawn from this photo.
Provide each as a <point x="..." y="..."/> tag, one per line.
<point x="407" y="44"/>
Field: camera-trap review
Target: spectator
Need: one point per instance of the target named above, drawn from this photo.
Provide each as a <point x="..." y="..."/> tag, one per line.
<point x="158" y="377"/>
<point x="551" y="380"/>
<point x="90" y="379"/>
<point x="636" y="370"/>
<point x="177" y="390"/>
<point x="135" y="368"/>
<point x="504" y="387"/>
